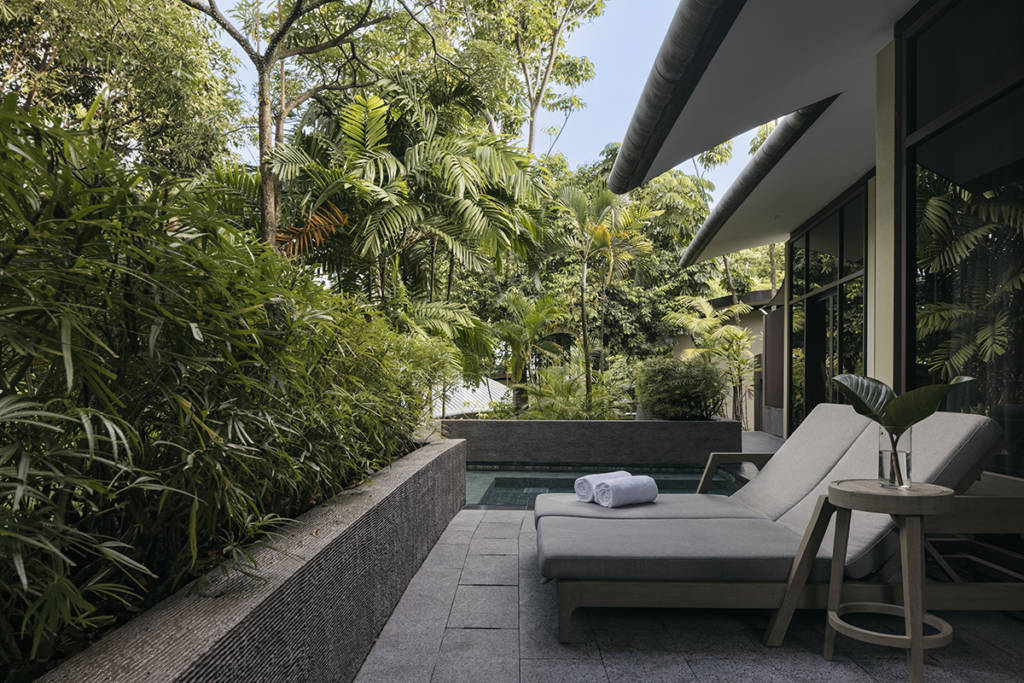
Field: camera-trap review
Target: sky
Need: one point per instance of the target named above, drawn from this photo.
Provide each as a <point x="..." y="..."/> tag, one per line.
<point x="622" y="44"/>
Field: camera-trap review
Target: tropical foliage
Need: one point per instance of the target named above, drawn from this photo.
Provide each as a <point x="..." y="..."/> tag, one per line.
<point x="170" y="389"/>
<point x="680" y="389"/>
<point x="166" y="96"/>
<point x="193" y="350"/>
<point x="716" y="338"/>
<point x="970" y="258"/>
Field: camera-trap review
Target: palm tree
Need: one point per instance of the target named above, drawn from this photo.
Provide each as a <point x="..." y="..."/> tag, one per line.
<point x="970" y="274"/>
<point x="603" y="227"/>
<point x="529" y="332"/>
<point x="385" y="193"/>
<point x="713" y="335"/>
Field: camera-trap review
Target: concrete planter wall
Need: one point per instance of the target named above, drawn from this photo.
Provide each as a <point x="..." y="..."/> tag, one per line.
<point x="324" y="599"/>
<point x="595" y="442"/>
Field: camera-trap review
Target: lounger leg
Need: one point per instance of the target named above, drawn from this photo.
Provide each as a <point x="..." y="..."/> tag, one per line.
<point x="802" y="565"/>
<point x="566" y="606"/>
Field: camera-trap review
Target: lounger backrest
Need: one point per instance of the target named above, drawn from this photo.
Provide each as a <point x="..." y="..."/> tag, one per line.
<point x="947" y="449"/>
<point x="806" y="457"/>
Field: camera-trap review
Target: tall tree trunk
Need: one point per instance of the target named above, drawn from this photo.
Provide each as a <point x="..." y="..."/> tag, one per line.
<point x="268" y="186"/>
<point x="531" y="127"/>
<point x="601" y="301"/>
<point x="586" y="339"/>
<point x="771" y="264"/>
<point x="451" y="272"/>
<point x="737" y="402"/>
<point x="728" y="279"/>
<point x="433" y="267"/>
<point x="492" y="125"/>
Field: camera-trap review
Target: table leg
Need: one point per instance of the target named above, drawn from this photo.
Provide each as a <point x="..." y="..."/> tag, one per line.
<point x="912" y="556"/>
<point x="835" y="584"/>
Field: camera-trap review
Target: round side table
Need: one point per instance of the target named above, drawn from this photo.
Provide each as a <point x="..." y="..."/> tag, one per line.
<point x="907" y="507"/>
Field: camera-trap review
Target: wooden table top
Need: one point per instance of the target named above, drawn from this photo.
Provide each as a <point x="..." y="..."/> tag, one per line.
<point x="870" y="496"/>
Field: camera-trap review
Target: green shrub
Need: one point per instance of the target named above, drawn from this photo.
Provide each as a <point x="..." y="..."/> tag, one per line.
<point x="170" y="390"/>
<point x="675" y="389"/>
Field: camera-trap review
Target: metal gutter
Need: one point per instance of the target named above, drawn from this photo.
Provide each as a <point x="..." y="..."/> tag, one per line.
<point x="697" y="30"/>
<point x="790" y="129"/>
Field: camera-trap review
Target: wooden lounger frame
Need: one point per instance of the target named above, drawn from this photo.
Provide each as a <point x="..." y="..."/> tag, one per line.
<point x="973" y="514"/>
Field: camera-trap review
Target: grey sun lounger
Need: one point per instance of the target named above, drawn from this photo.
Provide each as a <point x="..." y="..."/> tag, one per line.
<point x="762" y="546"/>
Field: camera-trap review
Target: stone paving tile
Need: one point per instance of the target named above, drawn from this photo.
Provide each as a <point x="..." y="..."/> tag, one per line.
<point x="494" y="546"/>
<point x="410" y="640"/>
<point x="753" y="669"/>
<point x="467" y="518"/>
<point x="562" y="671"/>
<point x="501" y="632"/>
<point x="473" y="655"/>
<point x="695" y="632"/>
<point x="497" y="530"/>
<point x="399" y="659"/>
<point x="446" y="556"/>
<point x="528" y="559"/>
<point x="425" y="606"/>
<point x="460" y="535"/>
<point x="649" y="667"/>
<point x="633" y="629"/>
<point x="538" y="626"/>
<point x="485" y="607"/>
<point x="974" y="659"/>
<point x="490" y="570"/>
<point x="1000" y="629"/>
<point x="505" y="516"/>
<point x="798" y="665"/>
<point x="894" y="670"/>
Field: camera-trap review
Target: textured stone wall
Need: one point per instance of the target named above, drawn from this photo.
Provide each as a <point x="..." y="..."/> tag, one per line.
<point x="327" y="590"/>
<point x="595" y="442"/>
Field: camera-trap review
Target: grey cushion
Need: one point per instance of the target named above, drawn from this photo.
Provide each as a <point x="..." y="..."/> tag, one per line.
<point x="946" y="447"/>
<point x="666" y="549"/>
<point x="803" y="460"/>
<point x="667" y="506"/>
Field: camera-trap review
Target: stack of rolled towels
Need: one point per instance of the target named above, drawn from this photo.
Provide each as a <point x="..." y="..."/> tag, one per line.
<point x="615" y="489"/>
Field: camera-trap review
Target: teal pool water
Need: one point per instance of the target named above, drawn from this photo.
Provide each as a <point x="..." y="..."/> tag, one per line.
<point x="516" y="486"/>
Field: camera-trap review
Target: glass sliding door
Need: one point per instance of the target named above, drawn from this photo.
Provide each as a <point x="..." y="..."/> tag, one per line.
<point x="965" y="213"/>
<point x="826" y="302"/>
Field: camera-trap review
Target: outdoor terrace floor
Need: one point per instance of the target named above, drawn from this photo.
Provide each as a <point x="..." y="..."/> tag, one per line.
<point x="477" y="611"/>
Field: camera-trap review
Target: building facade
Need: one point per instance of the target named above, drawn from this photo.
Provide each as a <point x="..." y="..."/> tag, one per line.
<point x="895" y="175"/>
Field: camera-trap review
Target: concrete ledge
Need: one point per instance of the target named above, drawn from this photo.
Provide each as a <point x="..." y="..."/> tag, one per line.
<point x="595" y="442"/>
<point x="328" y="590"/>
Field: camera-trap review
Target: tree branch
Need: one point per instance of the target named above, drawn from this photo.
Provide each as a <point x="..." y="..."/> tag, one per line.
<point x="526" y="73"/>
<point x="344" y="37"/>
<point x="213" y="11"/>
<point x="290" y="105"/>
<point x="282" y="30"/>
<point x="312" y="49"/>
<point x="433" y="40"/>
<point x="542" y="86"/>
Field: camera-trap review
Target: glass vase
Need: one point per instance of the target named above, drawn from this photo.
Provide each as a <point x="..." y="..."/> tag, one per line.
<point x="894" y="459"/>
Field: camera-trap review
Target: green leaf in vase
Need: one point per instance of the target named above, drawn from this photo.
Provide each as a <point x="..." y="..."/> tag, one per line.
<point x="877" y="401"/>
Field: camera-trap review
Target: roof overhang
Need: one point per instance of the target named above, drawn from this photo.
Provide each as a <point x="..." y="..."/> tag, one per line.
<point x="776" y="57"/>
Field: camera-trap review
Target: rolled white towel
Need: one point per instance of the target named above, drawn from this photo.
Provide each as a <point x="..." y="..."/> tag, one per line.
<point x="615" y="493"/>
<point x="584" y="486"/>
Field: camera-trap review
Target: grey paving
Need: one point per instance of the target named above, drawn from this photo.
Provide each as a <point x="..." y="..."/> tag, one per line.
<point x="485" y="607"/>
<point x="477" y="610"/>
<point x="494" y="546"/>
<point x="490" y="570"/>
<point x="760" y="442"/>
